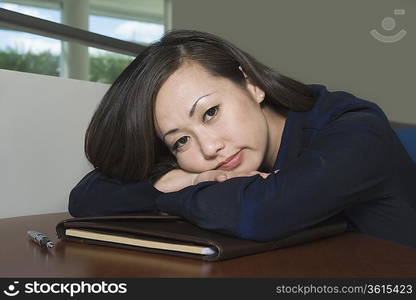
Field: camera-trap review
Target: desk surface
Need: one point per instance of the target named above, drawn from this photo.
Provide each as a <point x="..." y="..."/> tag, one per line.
<point x="347" y="255"/>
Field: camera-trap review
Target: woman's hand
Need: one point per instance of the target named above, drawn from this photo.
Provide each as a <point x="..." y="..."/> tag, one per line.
<point x="221" y="175"/>
<point x="175" y="180"/>
<point x="178" y="179"/>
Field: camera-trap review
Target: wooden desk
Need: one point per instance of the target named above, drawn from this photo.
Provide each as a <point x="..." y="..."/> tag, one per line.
<point x="348" y="255"/>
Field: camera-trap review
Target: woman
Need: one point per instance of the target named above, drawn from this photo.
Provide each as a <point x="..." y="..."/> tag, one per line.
<point x="198" y="128"/>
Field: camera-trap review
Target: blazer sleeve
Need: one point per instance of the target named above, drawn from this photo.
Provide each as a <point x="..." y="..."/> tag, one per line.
<point x="98" y="195"/>
<point x="342" y="165"/>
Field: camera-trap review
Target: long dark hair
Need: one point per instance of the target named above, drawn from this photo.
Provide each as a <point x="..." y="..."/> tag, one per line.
<point x="121" y="140"/>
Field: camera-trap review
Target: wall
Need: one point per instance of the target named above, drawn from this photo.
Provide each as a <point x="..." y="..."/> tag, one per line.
<point x="42" y="125"/>
<point x="320" y="41"/>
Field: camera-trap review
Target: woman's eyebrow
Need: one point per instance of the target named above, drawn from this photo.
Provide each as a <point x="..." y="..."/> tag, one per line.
<point x="191" y="113"/>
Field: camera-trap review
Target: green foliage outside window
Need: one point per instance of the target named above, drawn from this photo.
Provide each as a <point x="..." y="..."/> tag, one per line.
<point x="106" y="67"/>
<point x="42" y="63"/>
<point x="103" y="68"/>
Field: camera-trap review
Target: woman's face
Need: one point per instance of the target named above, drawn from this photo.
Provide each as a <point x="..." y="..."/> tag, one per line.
<point x="205" y="120"/>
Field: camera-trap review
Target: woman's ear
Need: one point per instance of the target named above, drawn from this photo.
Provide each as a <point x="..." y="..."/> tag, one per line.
<point x="257" y="93"/>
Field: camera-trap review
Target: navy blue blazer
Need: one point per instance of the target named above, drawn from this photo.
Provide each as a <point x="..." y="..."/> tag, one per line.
<point x="342" y="157"/>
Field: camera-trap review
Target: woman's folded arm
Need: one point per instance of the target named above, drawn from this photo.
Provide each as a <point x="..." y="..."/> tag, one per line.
<point x="97" y="195"/>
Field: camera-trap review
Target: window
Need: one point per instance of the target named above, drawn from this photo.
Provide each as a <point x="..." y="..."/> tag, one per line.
<point x="138" y="21"/>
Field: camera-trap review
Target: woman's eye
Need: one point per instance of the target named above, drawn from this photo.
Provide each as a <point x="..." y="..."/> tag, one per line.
<point x="180" y="142"/>
<point x="212" y="112"/>
<point x="209" y="114"/>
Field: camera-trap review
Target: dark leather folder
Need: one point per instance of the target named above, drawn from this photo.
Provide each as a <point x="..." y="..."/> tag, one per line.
<point x="173" y="230"/>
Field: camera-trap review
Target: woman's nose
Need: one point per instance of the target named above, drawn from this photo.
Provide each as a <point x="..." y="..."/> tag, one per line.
<point x="210" y="145"/>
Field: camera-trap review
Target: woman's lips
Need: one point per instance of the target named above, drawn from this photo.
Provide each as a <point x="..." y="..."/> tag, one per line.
<point x="233" y="162"/>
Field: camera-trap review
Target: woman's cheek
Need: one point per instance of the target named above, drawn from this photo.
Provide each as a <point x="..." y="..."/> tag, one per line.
<point x="189" y="163"/>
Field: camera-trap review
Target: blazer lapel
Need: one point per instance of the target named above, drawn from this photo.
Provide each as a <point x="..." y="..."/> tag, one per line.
<point x="296" y="135"/>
